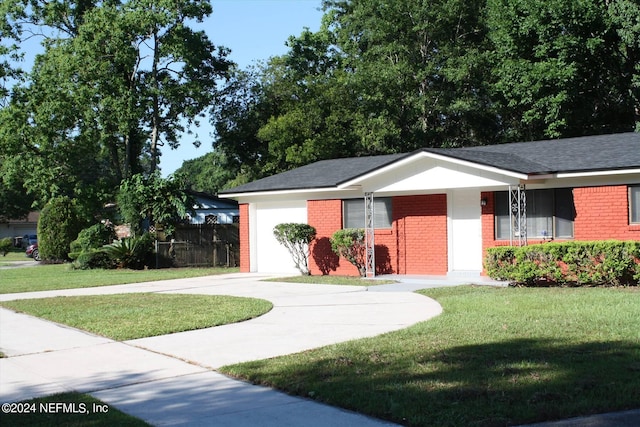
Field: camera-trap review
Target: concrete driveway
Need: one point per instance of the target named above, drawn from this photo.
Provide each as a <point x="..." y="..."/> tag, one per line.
<point x="170" y="380"/>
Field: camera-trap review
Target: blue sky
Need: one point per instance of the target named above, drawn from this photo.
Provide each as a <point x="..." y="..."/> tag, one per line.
<point x="254" y="30"/>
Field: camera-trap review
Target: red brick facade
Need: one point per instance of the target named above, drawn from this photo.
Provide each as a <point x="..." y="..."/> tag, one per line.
<point x="417" y="241"/>
<point x="420" y="229"/>
<point x="601" y="213"/>
<point x="415" y="244"/>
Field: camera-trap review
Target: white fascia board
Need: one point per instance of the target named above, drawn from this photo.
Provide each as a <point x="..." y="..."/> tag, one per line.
<point x="307" y="194"/>
<point x="407" y="160"/>
<point x="598" y="173"/>
<point x="276" y="193"/>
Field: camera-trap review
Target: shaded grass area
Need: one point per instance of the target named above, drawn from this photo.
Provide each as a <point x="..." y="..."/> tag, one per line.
<point x="61" y="276"/>
<point x="89" y="412"/>
<point x="130" y="316"/>
<point x="495" y="357"/>
<point x="331" y="280"/>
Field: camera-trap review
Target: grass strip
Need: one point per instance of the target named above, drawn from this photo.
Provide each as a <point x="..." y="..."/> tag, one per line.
<point x="130" y="316"/>
<point x="61" y="276"/>
<point x="495" y="357"/>
<point x="69" y="410"/>
<point x="14" y="255"/>
<point x="331" y="280"/>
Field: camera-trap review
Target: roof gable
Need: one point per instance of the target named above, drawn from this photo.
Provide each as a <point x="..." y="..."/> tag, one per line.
<point x="322" y="174"/>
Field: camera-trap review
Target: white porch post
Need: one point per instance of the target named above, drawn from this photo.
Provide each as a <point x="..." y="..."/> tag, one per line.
<point x="518" y="215"/>
<point x="369" y="231"/>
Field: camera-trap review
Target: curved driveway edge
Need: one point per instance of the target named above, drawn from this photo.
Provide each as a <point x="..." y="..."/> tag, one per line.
<point x="150" y="378"/>
<point x="303" y="317"/>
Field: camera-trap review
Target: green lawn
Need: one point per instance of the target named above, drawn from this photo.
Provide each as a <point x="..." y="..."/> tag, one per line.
<point x="332" y="280"/>
<point x="89" y="412"/>
<point x="496" y="356"/>
<point x="140" y="315"/>
<point x="61" y="276"/>
<point x="14" y="255"/>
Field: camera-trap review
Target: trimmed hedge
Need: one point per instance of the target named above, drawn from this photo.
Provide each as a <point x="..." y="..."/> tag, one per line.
<point x="600" y="263"/>
<point x="296" y="237"/>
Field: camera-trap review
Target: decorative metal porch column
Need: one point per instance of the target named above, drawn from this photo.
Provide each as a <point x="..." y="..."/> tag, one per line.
<point x="369" y="239"/>
<point x="518" y="214"/>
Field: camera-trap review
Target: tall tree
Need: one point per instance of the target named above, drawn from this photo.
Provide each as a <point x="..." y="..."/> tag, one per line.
<point x="241" y="109"/>
<point x="419" y="68"/>
<point x="10" y="53"/>
<point x="116" y="81"/>
<point x="207" y="174"/>
<point x="565" y="68"/>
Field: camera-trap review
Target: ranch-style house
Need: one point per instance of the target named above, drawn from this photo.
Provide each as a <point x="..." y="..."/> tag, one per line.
<point x="436" y="211"/>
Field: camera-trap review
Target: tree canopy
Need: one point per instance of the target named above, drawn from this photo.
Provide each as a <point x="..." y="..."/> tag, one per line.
<point x="119" y="80"/>
<point x="115" y="81"/>
<point x="393" y="76"/>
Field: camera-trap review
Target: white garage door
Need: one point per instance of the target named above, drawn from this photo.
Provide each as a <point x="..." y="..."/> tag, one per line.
<point x="271" y="256"/>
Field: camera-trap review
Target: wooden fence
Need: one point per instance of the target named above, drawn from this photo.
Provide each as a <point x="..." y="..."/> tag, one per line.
<point x="201" y="245"/>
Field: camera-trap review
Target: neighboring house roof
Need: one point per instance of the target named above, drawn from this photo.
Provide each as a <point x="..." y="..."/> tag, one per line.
<point x="582" y="154"/>
<point x="207" y="201"/>
<point x="32" y="217"/>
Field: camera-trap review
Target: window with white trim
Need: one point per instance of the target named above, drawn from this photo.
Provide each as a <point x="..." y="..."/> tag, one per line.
<point x="353" y="213"/>
<point x="550" y="214"/>
<point x="634" y="204"/>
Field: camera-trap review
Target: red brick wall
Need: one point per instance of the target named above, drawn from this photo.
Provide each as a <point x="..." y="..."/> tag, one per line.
<point x="420" y="224"/>
<point x="326" y="217"/>
<point x="416" y="243"/>
<point x="245" y="264"/>
<point x="603" y="213"/>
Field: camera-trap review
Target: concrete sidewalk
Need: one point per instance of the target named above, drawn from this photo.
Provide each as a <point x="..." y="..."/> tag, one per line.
<point x="168" y="380"/>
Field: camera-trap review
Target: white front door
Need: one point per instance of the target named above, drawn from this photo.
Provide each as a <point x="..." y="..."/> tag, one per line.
<point x="465" y="231"/>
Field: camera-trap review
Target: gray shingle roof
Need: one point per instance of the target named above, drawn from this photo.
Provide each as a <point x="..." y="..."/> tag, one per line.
<point x="583" y="154"/>
<point x="589" y="153"/>
<point x="322" y="174"/>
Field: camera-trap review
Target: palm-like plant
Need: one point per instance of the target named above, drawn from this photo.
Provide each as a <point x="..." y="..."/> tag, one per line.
<point x="130" y="252"/>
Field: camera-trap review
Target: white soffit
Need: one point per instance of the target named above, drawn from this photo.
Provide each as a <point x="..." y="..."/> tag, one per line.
<point x="428" y="171"/>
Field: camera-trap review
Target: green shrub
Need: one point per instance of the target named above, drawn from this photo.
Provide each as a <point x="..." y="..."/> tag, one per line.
<point x="93" y="258"/>
<point x="349" y="243"/>
<point x="131" y="252"/>
<point x="601" y="263"/>
<point x="296" y="238"/>
<point x="58" y="226"/>
<point x="500" y="262"/>
<point x="5" y="246"/>
<point x="86" y="250"/>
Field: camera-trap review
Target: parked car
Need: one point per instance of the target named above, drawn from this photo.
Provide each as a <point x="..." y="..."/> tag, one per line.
<point x="33" y="252"/>
<point x="29" y="239"/>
